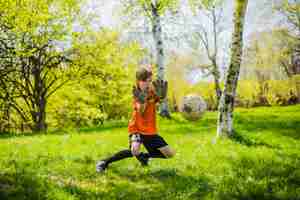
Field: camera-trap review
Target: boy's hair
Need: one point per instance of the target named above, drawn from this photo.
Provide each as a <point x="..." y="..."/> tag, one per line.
<point x="142" y="74"/>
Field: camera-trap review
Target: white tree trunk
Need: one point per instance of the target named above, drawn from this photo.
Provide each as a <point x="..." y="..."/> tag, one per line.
<point x="160" y="54"/>
<point x="226" y="105"/>
<point x="160" y="57"/>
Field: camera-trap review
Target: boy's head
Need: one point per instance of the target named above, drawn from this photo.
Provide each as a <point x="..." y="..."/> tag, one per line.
<point x="144" y="77"/>
<point x="143" y="73"/>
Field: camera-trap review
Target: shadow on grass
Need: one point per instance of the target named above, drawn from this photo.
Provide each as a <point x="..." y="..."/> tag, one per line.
<point x="286" y="127"/>
<point x="162" y="184"/>
<point x="170" y="184"/>
<point x="264" y="179"/>
<point x="22" y="187"/>
<point x="242" y="138"/>
<point x="23" y="183"/>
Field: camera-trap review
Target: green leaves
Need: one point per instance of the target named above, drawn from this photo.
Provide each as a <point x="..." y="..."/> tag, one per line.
<point x="165" y="5"/>
<point x="290" y="10"/>
<point x="204" y="4"/>
<point x="35" y="30"/>
<point x="106" y="72"/>
<point x="146" y="8"/>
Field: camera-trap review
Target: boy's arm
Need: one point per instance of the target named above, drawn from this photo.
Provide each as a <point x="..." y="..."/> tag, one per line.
<point x="160" y="89"/>
<point x="140" y="99"/>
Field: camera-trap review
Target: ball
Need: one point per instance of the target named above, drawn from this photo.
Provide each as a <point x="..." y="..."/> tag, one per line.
<point x="192" y="107"/>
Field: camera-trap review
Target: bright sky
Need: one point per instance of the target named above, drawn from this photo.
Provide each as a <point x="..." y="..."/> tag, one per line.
<point x="259" y="16"/>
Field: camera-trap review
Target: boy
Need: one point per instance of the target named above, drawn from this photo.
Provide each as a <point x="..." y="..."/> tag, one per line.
<point x="142" y="126"/>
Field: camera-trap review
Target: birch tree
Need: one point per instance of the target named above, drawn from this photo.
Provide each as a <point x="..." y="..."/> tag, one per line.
<point x="226" y="105"/>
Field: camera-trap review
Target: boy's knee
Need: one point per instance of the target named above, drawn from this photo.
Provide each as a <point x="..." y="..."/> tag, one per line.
<point x="135" y="148"/>
<point x="169" y="154"/>
<point x="135" y="152"/>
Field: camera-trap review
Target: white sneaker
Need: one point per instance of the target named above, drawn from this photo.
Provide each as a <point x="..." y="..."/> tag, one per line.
<point x="101" y="166"/>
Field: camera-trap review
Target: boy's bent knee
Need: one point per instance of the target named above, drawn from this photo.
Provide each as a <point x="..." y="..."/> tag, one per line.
<point x="170" y="154"/>
<point x="135" y="148"/>
<point x="167" y="152"/>
<point x="135" y="152"/>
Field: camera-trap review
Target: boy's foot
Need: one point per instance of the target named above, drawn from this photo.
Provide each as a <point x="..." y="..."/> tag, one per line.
<point x="143" y="159"/>
<point x="101" y="166"/>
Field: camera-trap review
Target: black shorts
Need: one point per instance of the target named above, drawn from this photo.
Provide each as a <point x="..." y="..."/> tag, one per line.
<point x="151" y="142"/>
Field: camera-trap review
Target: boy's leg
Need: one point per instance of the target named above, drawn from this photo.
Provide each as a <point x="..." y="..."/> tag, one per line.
<point x="103" y="164"/>
<point x="135" y="145"/>
<point x="126" y="153"/>
<point x="157" y="147"/>
<point x="134" y="150"/>
<point x="167" y="151"/>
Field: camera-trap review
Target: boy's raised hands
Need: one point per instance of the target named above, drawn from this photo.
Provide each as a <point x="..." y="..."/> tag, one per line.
<point x="160" y="88"/>
<point x="140" y="95"/>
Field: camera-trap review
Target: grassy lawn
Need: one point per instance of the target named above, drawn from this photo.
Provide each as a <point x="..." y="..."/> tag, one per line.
<point x="261" y="162"/>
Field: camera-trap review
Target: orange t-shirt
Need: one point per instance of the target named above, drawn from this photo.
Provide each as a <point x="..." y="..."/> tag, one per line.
<point x="144" y="124"/>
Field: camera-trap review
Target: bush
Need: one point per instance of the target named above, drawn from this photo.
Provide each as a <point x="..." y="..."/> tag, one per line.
<point x="251" y="93"/>
<point x="74" y="107"/>
<point x="280" y="92"/>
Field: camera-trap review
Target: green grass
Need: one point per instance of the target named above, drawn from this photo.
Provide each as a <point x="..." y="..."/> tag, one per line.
<point x="261" y="162"/>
